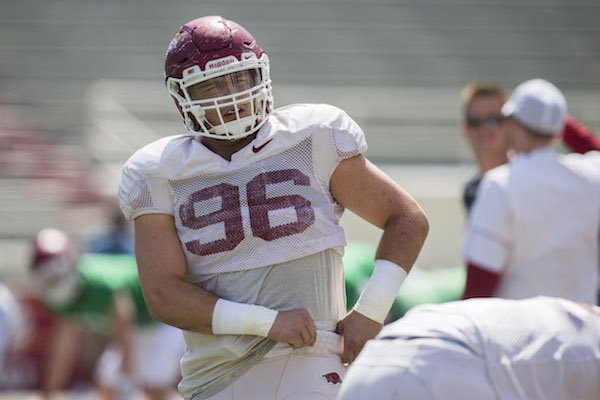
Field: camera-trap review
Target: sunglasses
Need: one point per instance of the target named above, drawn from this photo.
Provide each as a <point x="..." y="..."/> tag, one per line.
<point x="493" y="121"/>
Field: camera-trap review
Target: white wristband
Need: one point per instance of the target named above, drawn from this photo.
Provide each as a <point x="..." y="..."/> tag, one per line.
<point x="231" y="318"/>
<point x="378" y="295"/>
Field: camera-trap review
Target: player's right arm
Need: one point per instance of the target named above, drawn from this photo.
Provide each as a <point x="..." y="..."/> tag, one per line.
<point x="175" y="301"/>
<point x="162" y="269"/>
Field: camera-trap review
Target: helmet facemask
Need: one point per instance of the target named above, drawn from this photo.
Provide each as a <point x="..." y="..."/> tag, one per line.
<point x="225" y="103"/>
<point x="54" y="267"/>
<point x="59" y="285"/>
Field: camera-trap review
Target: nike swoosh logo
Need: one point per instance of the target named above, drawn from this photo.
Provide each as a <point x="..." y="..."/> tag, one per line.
<point x="256" y="149"/>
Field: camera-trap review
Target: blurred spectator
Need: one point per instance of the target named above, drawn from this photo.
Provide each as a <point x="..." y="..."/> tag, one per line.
<point x="102" y="293"/>
<point x="533" y="229"/>
<point x="116" y="238"/>
<point x="484" y="128"/>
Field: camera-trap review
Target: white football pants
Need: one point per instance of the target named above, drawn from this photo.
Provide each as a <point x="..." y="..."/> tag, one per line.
<point x="309" y="373"/>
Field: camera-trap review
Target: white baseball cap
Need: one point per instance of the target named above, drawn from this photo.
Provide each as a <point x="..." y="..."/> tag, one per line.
<point x="539" y="105"/>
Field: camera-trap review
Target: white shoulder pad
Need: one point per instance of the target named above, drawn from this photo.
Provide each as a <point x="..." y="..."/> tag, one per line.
<point x="340" y="138"/>
<point x="144" y="188"/>
<point x="344" y="134"/>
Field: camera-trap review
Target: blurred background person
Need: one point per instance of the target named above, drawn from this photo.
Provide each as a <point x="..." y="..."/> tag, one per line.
<point x="115" y="237"/>
<point x="102" y="293"/>
<point x="484" y="349"/>
<point x="485" y="130"/>
<point x="12" y="326"/>
<point x="534" y="227"/>
<point x="483" y="127"/>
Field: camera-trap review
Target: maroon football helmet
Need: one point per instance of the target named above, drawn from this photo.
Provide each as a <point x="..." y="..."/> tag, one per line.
<point x="221" y="60"/>
<point x="50" y="244"/>
<point x="53" y="265"/>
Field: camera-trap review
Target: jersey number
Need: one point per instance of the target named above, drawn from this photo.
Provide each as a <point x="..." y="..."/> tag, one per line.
<point x="259" y="205"/>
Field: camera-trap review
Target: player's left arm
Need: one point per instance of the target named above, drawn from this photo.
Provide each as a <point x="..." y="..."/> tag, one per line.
<point x="361" y="187"/>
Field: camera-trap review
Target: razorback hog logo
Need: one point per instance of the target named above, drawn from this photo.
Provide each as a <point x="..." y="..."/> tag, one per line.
<point x="333" y="378"/>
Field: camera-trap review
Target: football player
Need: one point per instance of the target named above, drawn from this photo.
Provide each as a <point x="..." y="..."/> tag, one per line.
<point x="484" y="349"/>
<point x="237" y="228"/>
<point x="101" y="293"/>
<point x="517" y="243"/>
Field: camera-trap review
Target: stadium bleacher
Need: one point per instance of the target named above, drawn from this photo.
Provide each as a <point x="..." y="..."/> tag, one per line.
<point x="89" y="75"/>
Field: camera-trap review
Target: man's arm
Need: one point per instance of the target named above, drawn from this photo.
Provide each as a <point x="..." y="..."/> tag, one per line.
<point x="481" y="282"/>
<point x="175" y="301"/>
<point x="162" y="269"/>
<point x="578" y="137"/>
<point x="361" y="187"/>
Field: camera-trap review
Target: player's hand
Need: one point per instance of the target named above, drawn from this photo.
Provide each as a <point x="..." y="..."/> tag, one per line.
<point x="355" y="330"/>
<point x="295" y="327"/>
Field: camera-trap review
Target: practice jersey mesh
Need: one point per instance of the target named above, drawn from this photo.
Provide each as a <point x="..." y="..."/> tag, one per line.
<point x="315" y="283"/>
<point x="539" y="348"/>
<point x="271" y="203"/>
<point x="261" y="228"/>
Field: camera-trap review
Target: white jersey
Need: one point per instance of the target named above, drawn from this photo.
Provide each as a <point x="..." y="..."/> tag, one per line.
<point x="538" y="348"/>
<point x="536" y="222"/>
<point x="315" y="283"/>
<point x="270" y="204"/>
<point x="261" y="229"/>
